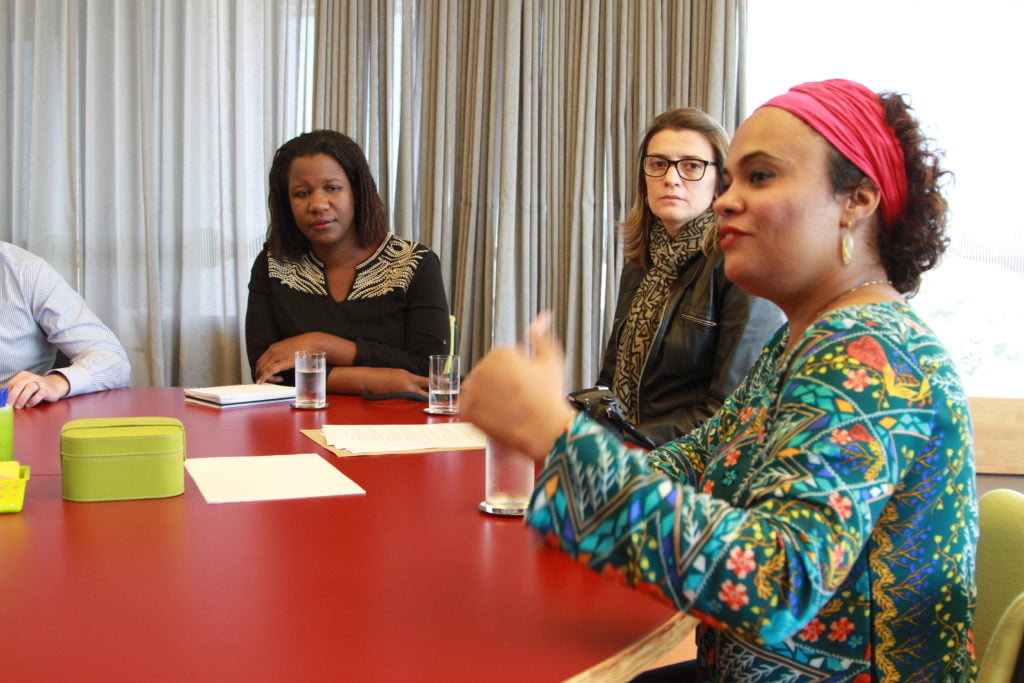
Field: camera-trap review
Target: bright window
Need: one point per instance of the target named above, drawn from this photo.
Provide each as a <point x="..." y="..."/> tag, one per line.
<point x="959" y="64"/>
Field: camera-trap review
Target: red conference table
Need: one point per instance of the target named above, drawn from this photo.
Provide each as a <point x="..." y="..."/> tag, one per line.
<point x="407" y="582"/>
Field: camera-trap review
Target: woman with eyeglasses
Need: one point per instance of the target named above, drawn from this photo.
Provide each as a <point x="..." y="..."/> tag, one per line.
<point x="683" y="335"/>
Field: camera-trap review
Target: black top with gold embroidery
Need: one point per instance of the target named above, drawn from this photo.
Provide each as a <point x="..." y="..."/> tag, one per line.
<point x="396" y="311"/>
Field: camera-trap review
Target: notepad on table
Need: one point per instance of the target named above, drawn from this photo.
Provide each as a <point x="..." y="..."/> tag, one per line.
<point x="240" y="394"/>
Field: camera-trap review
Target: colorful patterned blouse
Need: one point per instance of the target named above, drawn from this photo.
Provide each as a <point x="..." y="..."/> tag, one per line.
<point x="822" y="525"/>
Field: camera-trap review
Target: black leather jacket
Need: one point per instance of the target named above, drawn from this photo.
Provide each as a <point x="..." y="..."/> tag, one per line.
<point x="710" y="334"/>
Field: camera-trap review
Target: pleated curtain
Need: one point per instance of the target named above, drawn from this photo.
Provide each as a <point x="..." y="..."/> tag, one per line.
<point x="503" y="134"/>
<point x="135" y="140"/>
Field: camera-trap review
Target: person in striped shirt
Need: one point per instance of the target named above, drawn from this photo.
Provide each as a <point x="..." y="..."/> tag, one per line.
<point x="40" y="314"/>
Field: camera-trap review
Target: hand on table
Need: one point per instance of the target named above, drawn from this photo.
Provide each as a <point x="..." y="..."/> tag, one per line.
<point x="27" y="389"/>
<point x="393" y="381"/>
<point x="280" y="356"/>
<point x="518" y="398"/>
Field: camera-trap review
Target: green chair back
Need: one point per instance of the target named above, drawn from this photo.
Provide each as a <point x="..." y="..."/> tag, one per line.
<point x="999" y="617"/>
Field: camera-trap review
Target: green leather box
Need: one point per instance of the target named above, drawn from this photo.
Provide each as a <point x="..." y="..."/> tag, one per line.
<point x="122" y="458"/>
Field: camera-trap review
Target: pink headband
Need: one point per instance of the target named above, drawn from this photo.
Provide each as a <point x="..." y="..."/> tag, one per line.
<point x="850" y="116"/>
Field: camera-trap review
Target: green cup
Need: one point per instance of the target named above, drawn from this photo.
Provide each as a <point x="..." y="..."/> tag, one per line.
<point x="7" y="433"/>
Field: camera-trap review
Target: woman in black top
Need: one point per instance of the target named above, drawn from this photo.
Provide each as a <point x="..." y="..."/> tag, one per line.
<point x="683" y="335"/>
<point x="331" y="278"/>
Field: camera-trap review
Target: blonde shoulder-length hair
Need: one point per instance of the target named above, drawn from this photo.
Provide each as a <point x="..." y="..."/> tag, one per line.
<point x="636" y="228"/>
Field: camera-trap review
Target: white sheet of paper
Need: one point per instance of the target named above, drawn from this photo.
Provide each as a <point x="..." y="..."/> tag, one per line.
<point x="453" y="436"/>
<point x="268" y="477"/>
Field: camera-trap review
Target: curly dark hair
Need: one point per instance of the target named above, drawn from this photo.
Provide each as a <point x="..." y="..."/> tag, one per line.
<point x="636" y="228"/>
<point x="915" y="242"/>
<point x="370" y="220"/>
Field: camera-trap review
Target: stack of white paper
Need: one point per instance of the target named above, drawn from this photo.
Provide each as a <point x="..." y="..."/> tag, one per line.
<point x="364" y="439"/>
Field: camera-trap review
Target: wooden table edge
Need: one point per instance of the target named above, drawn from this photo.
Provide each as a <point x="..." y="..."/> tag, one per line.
<point x="635" y="658"/>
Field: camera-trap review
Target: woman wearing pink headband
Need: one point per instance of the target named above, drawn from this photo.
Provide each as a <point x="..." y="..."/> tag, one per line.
<point x="822" y="524"/>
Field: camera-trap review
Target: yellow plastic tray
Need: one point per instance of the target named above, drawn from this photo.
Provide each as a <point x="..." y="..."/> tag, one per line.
<point x="12" y="485"/>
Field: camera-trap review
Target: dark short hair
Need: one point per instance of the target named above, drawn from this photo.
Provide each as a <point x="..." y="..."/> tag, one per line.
<point x="636" y="228"/>
<point x="370" y="219"/>
<point x="917" y="239"/>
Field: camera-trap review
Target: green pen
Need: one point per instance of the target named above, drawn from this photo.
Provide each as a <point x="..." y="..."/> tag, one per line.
<point x="6" y="427"/>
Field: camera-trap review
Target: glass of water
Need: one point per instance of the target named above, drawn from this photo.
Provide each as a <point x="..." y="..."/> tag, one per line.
<point x="444" y="384"/>
<point x="310" y="379"/>
<point x="509" y="477"/>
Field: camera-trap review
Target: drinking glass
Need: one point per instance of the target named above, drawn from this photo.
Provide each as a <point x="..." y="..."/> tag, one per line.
<point x="443" y="390"/>
<point x="508" y="477"/>
<point x="310" y="379"/>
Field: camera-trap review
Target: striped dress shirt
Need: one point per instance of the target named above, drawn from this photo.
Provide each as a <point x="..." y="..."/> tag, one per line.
<point x="41" y="314"/>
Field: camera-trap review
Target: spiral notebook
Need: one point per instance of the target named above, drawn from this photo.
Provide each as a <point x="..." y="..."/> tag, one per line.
<point x="240" y="395"/>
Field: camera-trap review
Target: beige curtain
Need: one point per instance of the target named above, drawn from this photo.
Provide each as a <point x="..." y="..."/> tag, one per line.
<point x="503" y="135"/>
<point x="135" y="138"/>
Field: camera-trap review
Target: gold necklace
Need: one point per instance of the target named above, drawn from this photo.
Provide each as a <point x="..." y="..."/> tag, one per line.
<point x="851" y="290"/>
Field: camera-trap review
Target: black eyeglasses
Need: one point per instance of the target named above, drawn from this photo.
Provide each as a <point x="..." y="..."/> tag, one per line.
<point x="656" y="166"/>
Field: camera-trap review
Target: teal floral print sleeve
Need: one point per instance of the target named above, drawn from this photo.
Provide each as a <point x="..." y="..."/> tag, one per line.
<point x="822" y="524"/>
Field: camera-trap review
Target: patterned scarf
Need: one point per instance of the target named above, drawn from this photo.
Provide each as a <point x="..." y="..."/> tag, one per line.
<point x="668" y="258"/>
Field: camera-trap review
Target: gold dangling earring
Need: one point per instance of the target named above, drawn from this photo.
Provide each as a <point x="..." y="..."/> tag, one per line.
<point x="846" y="244"/>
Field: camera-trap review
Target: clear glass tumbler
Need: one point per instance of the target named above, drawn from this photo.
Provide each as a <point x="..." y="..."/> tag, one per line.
<point x="509" y="477"/>
<point x="444" y="384"/>
<point x="310" y="379"/>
